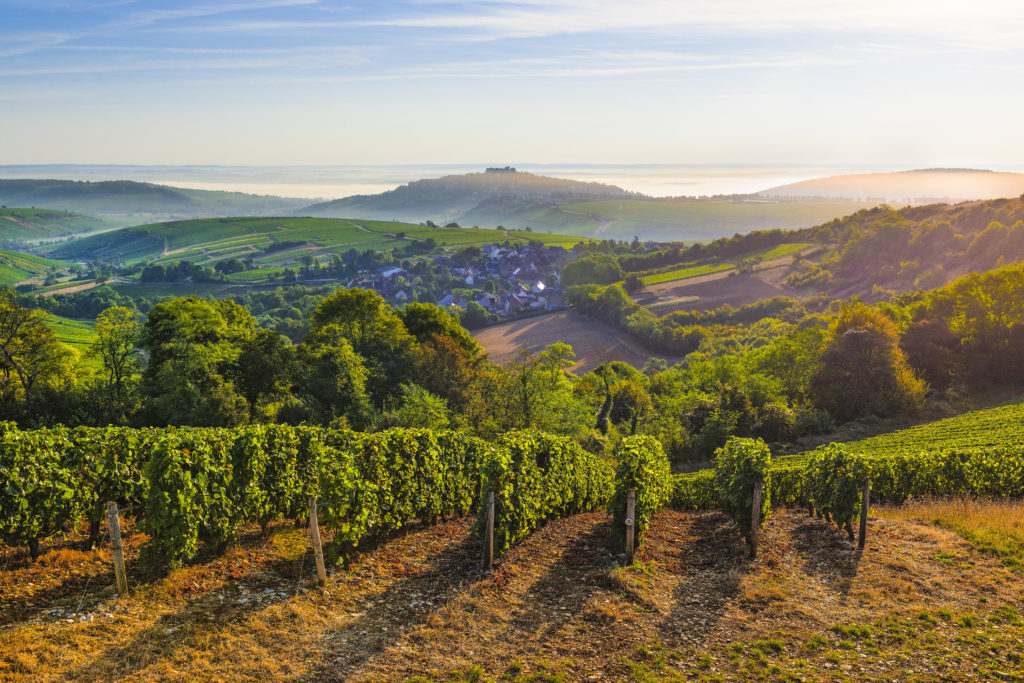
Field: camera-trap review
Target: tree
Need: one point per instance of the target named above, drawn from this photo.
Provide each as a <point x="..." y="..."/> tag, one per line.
<point x="331" y="377"/>
<point x="263" y="369"/>
<point x="446" y="367"/>
<point x="598" y="269"/>
<point x="424" y="321"/>
<point x="375" y="332"/>
<point x="193" y="346"/>
<point x="931" y="349"/>
<point x="418" y="408"/>
<point x="475" y="316"/>
<point x="29" y="349"/>
<point x="117" y="335"/>
<point x="863" y="371"/>
<point x="557" y="358"/>
<point x="634" y="283"/>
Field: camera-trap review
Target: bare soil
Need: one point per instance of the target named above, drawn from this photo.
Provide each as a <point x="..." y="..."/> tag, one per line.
<point x="595" y="342"/>
<point x="558" y="607"/>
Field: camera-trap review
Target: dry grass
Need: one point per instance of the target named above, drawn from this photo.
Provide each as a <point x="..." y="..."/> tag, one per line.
<point x="995" y="527"/>
<point x="557" y="608"/>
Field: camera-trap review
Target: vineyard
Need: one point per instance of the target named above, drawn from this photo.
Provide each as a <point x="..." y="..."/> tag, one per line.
<point x="191" y="488"/>
<point x="976" y="454"/>
<point x="200" y="497"/>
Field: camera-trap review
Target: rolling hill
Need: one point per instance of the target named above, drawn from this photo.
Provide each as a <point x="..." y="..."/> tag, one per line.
<point x="518" y="199"/>
<point x="914" y="187"/>
<point x="456" y="197"/>
<point x="130" y="197"/>
<point x="16" y="267"/>
<point x="672" y="220"/>
<point x="274" y="241"/>
<point x="33" y="224"/>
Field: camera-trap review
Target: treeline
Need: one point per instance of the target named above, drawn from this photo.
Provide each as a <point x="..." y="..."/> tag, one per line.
<point x="777" y="370"/>
<point x="774" y="370"/>
<point x="914" y="247"/>
<point x="721" y="248"/>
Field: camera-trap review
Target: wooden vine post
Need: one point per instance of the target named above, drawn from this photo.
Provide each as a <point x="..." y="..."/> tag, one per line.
<point x="318" y="550"/>
<point x="630" y="525"/>
<point x="755" y="518"/>
<point x="488" y="560"/>
<point x="114" y="525"/>
<point x="865" y="504"/>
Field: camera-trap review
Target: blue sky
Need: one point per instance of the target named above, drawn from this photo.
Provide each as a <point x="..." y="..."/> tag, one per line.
<point x="445" y="81"/>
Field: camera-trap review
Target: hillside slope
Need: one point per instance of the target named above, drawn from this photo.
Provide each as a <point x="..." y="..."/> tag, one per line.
<point x="33" y="224"/>
<point x="274" y="240"/>
<point x="16" y="267"/>
<point x="918" y="187"/>
<point x="455" y="197"/>
<point x="920" y="247"/>
<point x="130" y="197"/>
<point x="518" y="199"/>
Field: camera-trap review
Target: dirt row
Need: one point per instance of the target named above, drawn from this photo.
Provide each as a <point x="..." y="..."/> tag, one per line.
<point x="559" y="606"/>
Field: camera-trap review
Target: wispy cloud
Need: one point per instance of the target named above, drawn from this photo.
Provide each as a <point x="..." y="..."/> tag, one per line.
<point x="290" y="60"/>
<point x="12" y="45"/>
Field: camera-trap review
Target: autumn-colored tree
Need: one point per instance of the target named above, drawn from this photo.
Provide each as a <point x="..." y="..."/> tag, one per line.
<point x="863" y="371"/>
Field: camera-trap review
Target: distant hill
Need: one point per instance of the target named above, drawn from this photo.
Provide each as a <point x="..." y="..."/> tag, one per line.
<point x="32" y="224"/>
<point x="485" y="196"/>
<point x="516" y="199"/>
<point x="911" y="187"/>
<point x="130" y="197"/>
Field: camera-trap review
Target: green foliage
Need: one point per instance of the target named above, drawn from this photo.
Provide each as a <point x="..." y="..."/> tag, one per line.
<point x="536" y="477"/>
<point x="833" y="480"/>
<point x="694" y="491"/>
<point x="173" y="509"/>
<point x="739" y="465"/>
<point x="644" y="468"/>
<point x="40" y="494"/>
<point x="110" y="460"/>
<point x="600" y="268"/>
<point x="862" y="370"/>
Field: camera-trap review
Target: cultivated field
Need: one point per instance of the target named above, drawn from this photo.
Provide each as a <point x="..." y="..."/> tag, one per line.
<point x="16" y="267"/>
<point x="34" y="224"/>
<point x="206" y="241"/>
<point x="594" y="342"/>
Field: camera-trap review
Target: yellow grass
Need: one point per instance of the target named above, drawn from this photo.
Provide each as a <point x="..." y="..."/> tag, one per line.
<point x="992" y="526"/>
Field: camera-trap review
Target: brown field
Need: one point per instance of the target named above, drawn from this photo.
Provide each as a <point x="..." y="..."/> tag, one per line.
<point x="710" y="291"/>
<point x="919" y="604"/>
<point x="595" y="342"/>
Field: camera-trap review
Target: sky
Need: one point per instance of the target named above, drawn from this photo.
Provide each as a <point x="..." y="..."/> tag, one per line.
<point x="883" y="82"/>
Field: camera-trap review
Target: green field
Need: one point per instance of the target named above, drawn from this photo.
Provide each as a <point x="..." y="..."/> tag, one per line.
<point x="78" y="334"/>
<point x="33" y="224"/>
<point x="991" y="427"/>
<point x="206" y="241"/>
<point x="16" y="266"/>
<point x="683" y="273"/>
<point x="779" y="251"/>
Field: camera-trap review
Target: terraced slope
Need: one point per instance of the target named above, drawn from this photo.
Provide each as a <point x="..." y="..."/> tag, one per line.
<point x="32" y="224"/>
<point x="16" y="266"/>
<point x="275" y="240"/>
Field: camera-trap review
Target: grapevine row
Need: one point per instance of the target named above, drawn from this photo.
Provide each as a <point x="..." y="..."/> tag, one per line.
<point x="192" y="487"/>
